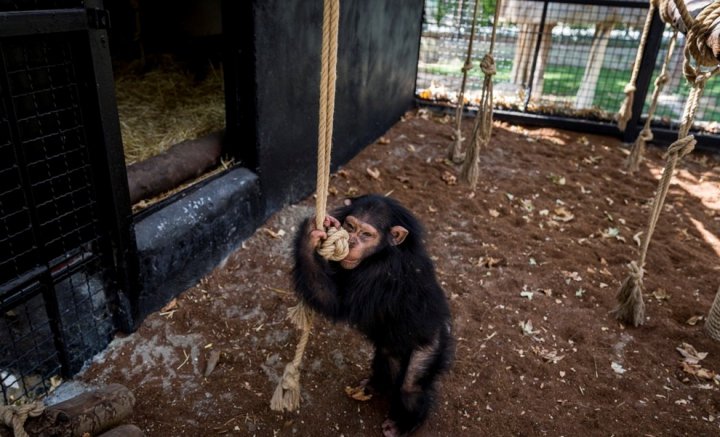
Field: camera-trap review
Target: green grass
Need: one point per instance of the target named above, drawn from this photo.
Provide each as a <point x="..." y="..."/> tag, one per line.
<point x="564" y="81"/>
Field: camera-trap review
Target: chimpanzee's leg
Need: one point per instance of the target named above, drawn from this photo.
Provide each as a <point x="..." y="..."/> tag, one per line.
<point x="385" y="373"/>
<point x="411" y="402"/>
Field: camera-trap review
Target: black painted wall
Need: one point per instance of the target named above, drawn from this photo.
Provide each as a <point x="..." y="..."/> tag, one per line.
<point x="272" y="71"/>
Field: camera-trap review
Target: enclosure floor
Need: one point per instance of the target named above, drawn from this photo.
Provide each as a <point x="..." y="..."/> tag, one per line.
<point x="545" y="238"/>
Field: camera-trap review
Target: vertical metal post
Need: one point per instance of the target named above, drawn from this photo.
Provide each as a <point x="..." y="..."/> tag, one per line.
<point x="111" y="175"/>
<point x="535" y="57"/>
<point x="642" y="84"/>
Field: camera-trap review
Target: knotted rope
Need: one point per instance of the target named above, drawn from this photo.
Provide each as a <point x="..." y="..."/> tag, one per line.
<point x="646" y="135"/>
<point x="625" y="112"/>
<point x="712" y="323"/>
<point x="455" y="152"/>
<point x="482" y="128"/>
<point x="335" y="247"/>
<point x="14" y="416"/>
<point x="630" y="307"/>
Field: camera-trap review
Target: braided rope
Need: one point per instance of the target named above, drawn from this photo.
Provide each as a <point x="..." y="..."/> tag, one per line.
<point x="646" y="135"/>
<point x="15" y="416"/>
<point x="482" y="129"/>
<point x="625" y="112"/>
<point x="697" y="35"/>
<point x="630" y="294"/>
<point x="287" y="392"/>
<point x="712" y="323"/>
<point x="455" y="152"/>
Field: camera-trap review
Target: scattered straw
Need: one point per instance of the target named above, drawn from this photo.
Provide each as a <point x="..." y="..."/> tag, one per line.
<point x="166" y="105"/>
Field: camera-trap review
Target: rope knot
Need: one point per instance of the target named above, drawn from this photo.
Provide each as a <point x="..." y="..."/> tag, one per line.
<point x="646" y="134"/>
<point x="682" y="146"/>
<point x="662" y="79"/>
<point x="467" y="66"/>
<point x="629" y="88"/>
<point x="335" y="246"/>
<point x="487" y="65"/>
<point x="15" y="416"/>
<point x="636" y="272"/>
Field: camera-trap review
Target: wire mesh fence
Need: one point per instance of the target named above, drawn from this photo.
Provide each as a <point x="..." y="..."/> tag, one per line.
<point x="56" y="300"/>
<point x="553" y="57"/>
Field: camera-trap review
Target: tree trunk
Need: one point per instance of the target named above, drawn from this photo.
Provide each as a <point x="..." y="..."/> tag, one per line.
<point x="545" y="45"/>
<point x="92" y="412"/>
<point x="586" y="93"/>
<point x="183" y="161"/>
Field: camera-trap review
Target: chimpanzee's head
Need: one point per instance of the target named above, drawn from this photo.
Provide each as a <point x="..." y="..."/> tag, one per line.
<point x="374" y="224"/>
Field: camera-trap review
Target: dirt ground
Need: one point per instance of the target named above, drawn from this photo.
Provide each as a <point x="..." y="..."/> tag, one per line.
<point x="530" y="261"/>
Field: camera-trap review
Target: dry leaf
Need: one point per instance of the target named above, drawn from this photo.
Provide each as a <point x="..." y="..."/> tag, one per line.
<point x="562" y="215"/>
<point x="556" y="179"/>
<point x="690" y="354"/>
<point x="358" y="393"/>
<point x="636" y="238"/>
<point x="692" y="321"/>
<point x="488" y="261"/>
<point x="373" y="173"/>
<point x="494" y="213"/>
<point x="545" y="291"/>
<point x="384" y="140"/>
<point x="697" y="370"/>
<point x="273" y="234"/>
<point x="661" y="294"/>
<point x="169" y="306"/>
<point x="550" y="356"/>
<point x="449" y="178"/>
<point x="527" y="328"/>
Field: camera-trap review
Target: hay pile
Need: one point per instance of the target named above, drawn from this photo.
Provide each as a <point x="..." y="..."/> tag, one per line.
<point x="165" y="105"/>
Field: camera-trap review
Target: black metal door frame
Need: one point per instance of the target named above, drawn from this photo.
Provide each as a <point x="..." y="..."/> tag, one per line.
<point x="104" y="146"/>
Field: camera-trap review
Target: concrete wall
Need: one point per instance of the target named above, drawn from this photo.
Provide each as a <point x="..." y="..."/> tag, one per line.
<point x="276" y="43"/>
<point x="272" y="71"/>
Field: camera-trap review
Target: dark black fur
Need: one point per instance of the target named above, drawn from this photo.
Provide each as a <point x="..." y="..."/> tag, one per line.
<point x="393" y="297"/>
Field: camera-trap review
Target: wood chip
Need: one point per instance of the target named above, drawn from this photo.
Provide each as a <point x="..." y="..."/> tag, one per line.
<point x="212" y="362"/>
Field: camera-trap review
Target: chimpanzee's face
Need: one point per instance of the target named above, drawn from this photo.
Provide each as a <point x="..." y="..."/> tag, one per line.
<point x="364" y="241"/>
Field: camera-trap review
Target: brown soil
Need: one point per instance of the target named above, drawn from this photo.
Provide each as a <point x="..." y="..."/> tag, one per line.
<point x="545" y="238"/>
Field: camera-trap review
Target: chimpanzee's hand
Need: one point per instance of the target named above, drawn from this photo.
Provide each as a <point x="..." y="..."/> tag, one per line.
<point x="331" y="222"/>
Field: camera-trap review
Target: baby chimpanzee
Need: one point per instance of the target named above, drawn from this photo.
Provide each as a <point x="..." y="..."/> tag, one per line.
<point x="386" y="288"/>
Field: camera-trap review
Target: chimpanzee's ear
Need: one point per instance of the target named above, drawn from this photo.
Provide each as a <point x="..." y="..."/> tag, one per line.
<point x="398" y="234"/>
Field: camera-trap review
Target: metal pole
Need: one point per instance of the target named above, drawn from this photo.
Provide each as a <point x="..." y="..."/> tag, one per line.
<point x="537" y="52"/>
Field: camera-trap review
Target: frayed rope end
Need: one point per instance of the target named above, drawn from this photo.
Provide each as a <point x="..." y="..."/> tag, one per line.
<point x="631" y="308"/>
<point x="287" y="392"/>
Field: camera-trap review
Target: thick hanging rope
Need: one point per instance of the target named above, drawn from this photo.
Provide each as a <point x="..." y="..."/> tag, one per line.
<point x="335" y="247"/>
<point x="14" y="416"/>
<point x="646" y="135"/>
<point x="625" y="112"/>
<point x="712" y="323"/>
<point x="455" y="152"/>
<point x="630" y="307"/>
<point x="483" y="120"/>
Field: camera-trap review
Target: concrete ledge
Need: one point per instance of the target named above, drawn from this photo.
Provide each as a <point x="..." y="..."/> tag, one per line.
<point x="185" y="240"/>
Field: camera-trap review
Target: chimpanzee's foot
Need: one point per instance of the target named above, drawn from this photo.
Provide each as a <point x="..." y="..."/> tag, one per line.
<point x="390" y="429"/>
<point x="363" y="391"/>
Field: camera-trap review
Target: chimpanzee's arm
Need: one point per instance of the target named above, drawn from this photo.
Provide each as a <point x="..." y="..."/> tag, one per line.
<point x="312" y="274"/>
